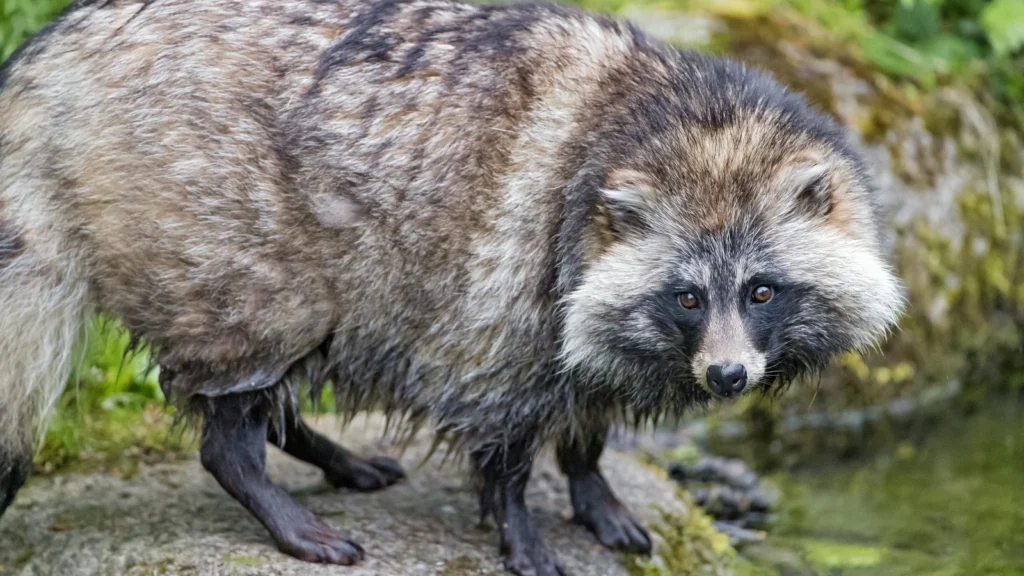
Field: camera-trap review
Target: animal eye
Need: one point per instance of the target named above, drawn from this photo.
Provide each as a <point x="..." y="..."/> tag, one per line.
<point x="761" y="294"/>
<point x="688" y="300"/>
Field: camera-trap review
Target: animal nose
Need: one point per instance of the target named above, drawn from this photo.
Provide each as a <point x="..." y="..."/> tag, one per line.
<point x="727" y="380"/>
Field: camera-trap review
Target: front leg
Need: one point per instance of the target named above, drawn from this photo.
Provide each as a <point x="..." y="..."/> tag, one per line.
<point x="505" y="471"/>
<point x="233" y="450"/>
<point x="594" y="504"/>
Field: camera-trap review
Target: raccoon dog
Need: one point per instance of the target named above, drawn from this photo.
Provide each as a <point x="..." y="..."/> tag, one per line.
<point x="515" y="222"/>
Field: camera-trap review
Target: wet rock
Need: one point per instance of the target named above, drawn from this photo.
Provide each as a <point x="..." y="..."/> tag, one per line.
<point x="729" y="471"/>
<point x="759" y="520"/>
<point x="731" y="493"/>
<point x="173" y="519"/>
<point x="764" y="498"/>
<point x="739" y="537"/>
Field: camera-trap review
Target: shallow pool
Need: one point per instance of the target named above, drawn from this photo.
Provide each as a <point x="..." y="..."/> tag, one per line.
<point x="949" y="502"/>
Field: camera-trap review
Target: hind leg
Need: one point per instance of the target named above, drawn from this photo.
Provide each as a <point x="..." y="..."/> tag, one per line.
<point x="14" y="469"/>
<point x="233" y="450"/>
<point x="342" y="469"/>
<point x="594" y="504"/>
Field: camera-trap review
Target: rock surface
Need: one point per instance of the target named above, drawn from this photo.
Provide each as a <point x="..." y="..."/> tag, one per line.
<point x="173" y="519"/>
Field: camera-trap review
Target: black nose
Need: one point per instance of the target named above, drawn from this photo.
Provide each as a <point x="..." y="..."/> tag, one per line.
<point x="727" y="380"/>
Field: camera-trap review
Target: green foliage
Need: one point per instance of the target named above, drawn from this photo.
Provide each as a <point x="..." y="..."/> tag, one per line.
<point x="113" y="414"/>
<point x="115" y="371"/>
<point x="19" y="19"/>
<point x="981" y="27"/>
<point x="934" y="42"/>
<point x="1003" y="21"/>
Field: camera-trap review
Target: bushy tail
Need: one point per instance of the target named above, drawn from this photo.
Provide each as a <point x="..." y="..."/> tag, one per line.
<point x="43" y="310"/>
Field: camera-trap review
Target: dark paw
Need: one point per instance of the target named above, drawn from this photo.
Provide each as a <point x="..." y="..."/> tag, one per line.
<point x="365" y="475"/>
<point x="615" y="528"/>
<point x="314" y="541"/>
<point x="537" y="562"/>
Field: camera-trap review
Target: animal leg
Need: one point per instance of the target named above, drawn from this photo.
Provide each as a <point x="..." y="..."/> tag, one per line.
<point x="342" y="469"/>
<point x="233" y="450"/>
<point x="594" y="504"/>
<point x="14" y="469"/>
<point x="505" y="474"/>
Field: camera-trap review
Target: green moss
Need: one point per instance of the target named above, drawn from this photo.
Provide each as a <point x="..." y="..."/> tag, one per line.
<point x="984" y="298"/>
<point x="692" y="547"/>
<point x="836" y="555"/>
<point x="745" y="568"/>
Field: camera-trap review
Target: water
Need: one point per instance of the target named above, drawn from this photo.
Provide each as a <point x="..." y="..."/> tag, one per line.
<point x="948" y="502"/>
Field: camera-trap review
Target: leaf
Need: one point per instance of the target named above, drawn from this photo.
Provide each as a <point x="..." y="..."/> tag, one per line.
<point x="1003" y="21"/>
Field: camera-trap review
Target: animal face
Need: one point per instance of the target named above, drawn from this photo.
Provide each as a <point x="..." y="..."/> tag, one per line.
<point x="741" y="256"/>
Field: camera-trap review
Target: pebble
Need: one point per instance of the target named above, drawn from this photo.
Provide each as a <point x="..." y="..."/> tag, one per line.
<point x="739" y="536"/>
<point x="731" y="493"/>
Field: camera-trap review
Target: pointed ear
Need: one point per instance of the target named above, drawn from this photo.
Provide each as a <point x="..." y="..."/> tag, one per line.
<point x="809" y="186"/>
<point x="627" y="195"/>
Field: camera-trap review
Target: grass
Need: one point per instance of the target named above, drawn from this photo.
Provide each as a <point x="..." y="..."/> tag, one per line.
<point x="113" y="416"/>
<point x="19" y="19"/>
<point x="932" y="43"/>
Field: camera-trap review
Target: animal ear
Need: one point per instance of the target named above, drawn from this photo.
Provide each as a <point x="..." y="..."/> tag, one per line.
<point x="620" y="198"/>
<point x="579" y="196"/>
<point x="627" y="195"/>
<point x="809" y="185"/>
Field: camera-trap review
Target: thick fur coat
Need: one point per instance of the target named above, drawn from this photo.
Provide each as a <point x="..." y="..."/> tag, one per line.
<point x="409" y="194"/>
<point x="477" y="215"/>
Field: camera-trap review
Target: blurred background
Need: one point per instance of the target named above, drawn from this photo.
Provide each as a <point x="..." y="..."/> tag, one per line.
<point x="907" y="460"/>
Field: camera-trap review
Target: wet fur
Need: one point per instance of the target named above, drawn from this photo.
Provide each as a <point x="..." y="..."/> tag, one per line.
<point x="476" y="216"/>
